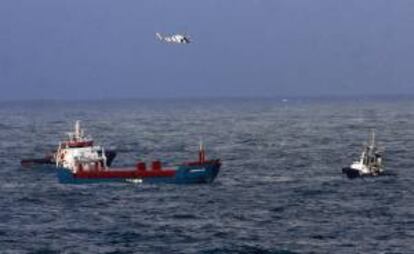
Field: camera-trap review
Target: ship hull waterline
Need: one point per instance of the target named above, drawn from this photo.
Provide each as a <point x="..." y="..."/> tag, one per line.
<point x="183" y="174"/>
<point x="354" y="173"/>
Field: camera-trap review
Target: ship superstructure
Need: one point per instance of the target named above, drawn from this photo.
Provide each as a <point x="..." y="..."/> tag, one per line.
<point x="369" y="163"/>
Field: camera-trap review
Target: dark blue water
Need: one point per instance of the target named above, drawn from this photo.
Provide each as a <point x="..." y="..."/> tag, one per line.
<point x="280" y="189"/>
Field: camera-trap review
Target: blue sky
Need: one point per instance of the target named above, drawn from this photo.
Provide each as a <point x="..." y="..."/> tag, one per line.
<point x="93" y="49"/>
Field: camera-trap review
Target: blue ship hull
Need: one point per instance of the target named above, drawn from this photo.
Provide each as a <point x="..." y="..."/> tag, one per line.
<point x="183" y="174"/>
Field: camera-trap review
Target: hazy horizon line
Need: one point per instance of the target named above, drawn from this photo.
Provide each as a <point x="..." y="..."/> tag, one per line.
<point x="235" y="97"/>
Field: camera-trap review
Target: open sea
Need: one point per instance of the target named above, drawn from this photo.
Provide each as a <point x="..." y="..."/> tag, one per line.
<point x="280" y="188"/>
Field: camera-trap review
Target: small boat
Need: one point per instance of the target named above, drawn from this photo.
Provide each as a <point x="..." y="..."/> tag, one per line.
<point x="92" y="170"/>
<point x="369" y="164"/>
<point x="76" y="143"/>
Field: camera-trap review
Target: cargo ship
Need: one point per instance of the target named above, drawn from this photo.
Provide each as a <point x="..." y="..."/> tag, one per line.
<point x="93" y="170"/>
<point x="77" y="144"/>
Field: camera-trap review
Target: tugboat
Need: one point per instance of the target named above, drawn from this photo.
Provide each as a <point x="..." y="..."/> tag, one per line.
<point x="369" y="164"/>
<point x="76" y="144"/>
<point x="95" y="169"/>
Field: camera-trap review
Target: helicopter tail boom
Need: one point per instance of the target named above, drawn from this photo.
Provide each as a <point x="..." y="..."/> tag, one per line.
<point x="159" y="37"/>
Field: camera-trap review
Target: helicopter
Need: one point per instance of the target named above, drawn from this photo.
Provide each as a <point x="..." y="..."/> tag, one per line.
<point x="175" y="38"/>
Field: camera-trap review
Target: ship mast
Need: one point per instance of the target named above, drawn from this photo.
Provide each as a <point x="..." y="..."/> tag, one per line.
<point x="372" y="139"/>
<point x="77" y="130"/>
<point x="201" y="153"/>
